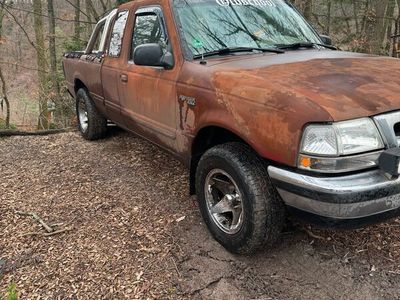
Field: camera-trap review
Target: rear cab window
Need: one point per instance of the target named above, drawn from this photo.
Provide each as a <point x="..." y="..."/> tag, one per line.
<point x="97" y="41"/>
<point x="96" y="44"/>
<point x="117" y="34"/>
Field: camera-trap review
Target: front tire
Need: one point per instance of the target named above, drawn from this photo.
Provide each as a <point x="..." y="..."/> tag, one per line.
<point x="238" y="203"/>
<point x="91" y="124"/>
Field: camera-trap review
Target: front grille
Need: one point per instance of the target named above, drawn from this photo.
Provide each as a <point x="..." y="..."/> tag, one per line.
<point x="389" y="127"/>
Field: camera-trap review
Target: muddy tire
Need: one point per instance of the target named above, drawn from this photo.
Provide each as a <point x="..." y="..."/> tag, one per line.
<point x="238" y="203"/>
<point x="91" y="123"/>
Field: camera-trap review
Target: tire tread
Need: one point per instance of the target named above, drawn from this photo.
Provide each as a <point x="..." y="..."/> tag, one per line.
<point x="97" y="124"/>
<point x="268" y="212"/>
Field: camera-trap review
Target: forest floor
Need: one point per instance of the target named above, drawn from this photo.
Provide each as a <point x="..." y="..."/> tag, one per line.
<point x="134" y="233"/>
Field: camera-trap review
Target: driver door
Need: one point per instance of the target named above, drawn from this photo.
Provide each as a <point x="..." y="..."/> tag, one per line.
<point x="148" y="94"/>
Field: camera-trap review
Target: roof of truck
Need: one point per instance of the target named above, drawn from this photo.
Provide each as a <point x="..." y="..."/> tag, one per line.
<point x="130" y="3"/>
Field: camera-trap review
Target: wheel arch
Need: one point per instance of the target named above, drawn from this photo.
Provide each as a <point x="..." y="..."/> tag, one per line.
<point x="205" y="139"/>
<point x="79" y="84"/>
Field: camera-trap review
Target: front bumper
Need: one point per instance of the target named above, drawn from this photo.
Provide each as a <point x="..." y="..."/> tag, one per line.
<point x="351" y="200"/>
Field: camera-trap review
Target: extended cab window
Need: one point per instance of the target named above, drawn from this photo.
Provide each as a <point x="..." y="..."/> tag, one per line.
<point x="97" y="41"/>
<point x="95" y="46"/>
<point x="148" y="29"/>
<point x="118" y="34"/>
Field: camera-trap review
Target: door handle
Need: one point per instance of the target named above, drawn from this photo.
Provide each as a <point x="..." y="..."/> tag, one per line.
<point x="124" y="78"/>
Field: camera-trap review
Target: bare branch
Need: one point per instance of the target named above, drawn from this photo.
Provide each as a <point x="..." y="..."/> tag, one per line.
<point x="20" y="26"/>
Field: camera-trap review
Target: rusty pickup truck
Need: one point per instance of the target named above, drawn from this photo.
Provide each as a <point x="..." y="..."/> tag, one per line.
<point x="269" y="117"/>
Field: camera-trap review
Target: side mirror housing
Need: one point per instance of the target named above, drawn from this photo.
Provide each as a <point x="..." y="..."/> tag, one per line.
<point x="168" y="61"/>
<point x="326" y="39"/>
<point x="152" y="55"/>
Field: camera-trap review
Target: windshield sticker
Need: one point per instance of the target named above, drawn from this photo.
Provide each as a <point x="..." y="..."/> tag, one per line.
<point x="197" y="44"/>
<point x="263" y="3"/>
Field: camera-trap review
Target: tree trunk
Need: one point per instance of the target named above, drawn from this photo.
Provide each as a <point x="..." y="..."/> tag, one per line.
<point x="388" y="26"/>
<point x="375" y="23"/>
<point x="52" y="48"/>
<point x="1" y="21"/>
<point x="308" y="9"/>
<point x="382" y="10"/>
<point x="396" y="33"/>
<point x="5" y="98"/>
<point x="328" y="18"/>
<point x="43" y="122"/>
<point x="89" y="27"/>
<point x="95" y="14"/>
<point x="77" y="25"/>
<point x="55" y="95"/>
<point x="2" y="80"/>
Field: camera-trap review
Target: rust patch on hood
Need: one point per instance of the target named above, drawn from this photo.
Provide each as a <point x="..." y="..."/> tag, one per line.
<point x="345" y="87"/>
<point x="269" y="99"/>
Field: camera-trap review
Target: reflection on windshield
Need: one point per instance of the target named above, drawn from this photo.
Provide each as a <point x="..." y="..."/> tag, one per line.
<point x="210" y="25"/>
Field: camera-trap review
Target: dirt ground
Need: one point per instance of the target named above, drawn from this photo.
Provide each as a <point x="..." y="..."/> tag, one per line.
<point x="134" y="233"/>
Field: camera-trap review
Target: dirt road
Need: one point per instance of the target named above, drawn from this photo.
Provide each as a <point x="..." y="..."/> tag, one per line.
<point x="134" y="233"/>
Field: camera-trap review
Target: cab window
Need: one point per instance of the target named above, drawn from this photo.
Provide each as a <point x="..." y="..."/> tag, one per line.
<point x="94" y="45"/>
<point x="97" y="41"/>
<point x="148" y="29"/>
<point x="117" y="34"/>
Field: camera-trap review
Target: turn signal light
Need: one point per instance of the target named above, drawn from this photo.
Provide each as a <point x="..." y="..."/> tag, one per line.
<point x="305" y="162"/>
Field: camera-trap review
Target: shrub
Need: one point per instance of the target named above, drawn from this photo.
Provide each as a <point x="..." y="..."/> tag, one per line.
<point x="3" y="125"/>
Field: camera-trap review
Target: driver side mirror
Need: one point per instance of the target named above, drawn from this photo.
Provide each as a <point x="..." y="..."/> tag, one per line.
<point x="326" y="39"/>
<point x="152" y="55"/>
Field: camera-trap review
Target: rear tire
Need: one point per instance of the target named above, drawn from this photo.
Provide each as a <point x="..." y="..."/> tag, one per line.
<point x="239" y="205"/>
<point x="91" y="124"/>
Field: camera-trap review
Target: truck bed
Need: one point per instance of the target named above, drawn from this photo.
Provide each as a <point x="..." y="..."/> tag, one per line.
<point x="84" y="71"/>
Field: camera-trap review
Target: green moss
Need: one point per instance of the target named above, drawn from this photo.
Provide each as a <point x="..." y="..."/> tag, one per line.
<point x="12" y="292"/>
<point x="3" y="125"/>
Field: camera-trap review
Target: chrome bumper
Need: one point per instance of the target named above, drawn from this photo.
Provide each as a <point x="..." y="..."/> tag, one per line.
<point x="348" y="197"/>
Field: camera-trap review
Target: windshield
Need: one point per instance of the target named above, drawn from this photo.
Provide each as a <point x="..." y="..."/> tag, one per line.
<point x="210" y="25"/>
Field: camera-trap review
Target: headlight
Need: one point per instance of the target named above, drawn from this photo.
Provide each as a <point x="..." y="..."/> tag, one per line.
<point x="338" y="147"/>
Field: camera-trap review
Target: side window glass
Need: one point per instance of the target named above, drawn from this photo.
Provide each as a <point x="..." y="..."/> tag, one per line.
<point x="96" y="45"/>
<point x="118" y="34"/>
<point x="148" y="29"/>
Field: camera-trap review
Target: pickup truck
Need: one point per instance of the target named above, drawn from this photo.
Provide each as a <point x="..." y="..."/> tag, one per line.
<point x="270" y="119"/>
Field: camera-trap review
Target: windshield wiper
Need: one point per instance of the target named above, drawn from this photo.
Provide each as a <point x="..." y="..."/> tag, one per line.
<point x="224" y="51"/>
<point x="303" y="45"/>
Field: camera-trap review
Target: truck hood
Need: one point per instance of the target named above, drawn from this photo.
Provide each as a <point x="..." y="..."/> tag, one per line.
<point x="344" y="85"/>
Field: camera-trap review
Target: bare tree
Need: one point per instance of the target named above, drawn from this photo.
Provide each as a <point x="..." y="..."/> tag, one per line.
<point x="43" y="122"/>
<point x="2" y="80"/>
<point x="77" y="25"/>
<point x="5" y="98"/>
<point x="52" y="48"/>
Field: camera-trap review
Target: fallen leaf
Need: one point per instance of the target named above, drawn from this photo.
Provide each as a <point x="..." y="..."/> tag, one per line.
<point x="180" y="219"/>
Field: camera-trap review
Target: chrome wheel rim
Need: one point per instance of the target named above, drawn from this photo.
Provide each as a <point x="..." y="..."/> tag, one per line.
<point x="224" y="201"/>
<point x="83" y="115"/>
